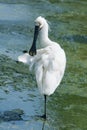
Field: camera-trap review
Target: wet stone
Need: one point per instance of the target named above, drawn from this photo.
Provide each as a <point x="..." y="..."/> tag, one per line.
<point x="15" y="114"/>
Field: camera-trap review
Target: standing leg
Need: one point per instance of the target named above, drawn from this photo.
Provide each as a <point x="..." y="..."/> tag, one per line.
<point x="44" y="116"/>
<point x="45" y="106"/>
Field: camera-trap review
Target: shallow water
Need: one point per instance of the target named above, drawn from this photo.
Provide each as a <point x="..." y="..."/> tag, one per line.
<point x="67" y="107"/>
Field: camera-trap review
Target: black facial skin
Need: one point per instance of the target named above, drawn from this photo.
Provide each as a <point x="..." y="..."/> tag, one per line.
<point x="32" y="50"/>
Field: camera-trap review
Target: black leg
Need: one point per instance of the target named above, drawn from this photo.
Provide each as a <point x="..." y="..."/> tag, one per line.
<point x="45" y="105"/>
<point x="44" y="116"/>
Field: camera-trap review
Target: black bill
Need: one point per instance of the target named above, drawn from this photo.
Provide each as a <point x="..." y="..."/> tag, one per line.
<point x="32" y="50"/>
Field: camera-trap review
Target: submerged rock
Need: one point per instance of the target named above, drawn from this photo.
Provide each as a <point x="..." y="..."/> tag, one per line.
<point x="15" y="114"/>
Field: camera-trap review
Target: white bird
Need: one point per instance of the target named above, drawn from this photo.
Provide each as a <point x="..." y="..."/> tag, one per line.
<point x="48" y="63"/>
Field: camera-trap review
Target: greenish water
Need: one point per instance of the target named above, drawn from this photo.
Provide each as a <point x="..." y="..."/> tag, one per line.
<point x="20" y="100"/>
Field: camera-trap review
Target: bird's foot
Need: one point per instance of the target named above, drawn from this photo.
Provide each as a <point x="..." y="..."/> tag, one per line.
<point x="25" y="51"/>
<point x="44" y="116"/>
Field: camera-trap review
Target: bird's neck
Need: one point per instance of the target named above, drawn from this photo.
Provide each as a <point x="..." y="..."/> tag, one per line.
<point x="43" y="37"/>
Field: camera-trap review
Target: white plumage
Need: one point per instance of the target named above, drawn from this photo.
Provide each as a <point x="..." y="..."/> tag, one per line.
<point x="48" y="64"/>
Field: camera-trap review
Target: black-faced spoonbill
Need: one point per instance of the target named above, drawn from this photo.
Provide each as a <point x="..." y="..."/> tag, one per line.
<point x="48" y="63"/>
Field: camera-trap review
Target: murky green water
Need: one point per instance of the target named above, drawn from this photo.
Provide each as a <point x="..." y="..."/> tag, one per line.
<point x="20" y="100"/>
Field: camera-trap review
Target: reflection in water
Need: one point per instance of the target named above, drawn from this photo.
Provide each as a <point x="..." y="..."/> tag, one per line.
<point x="43" y="125"/>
